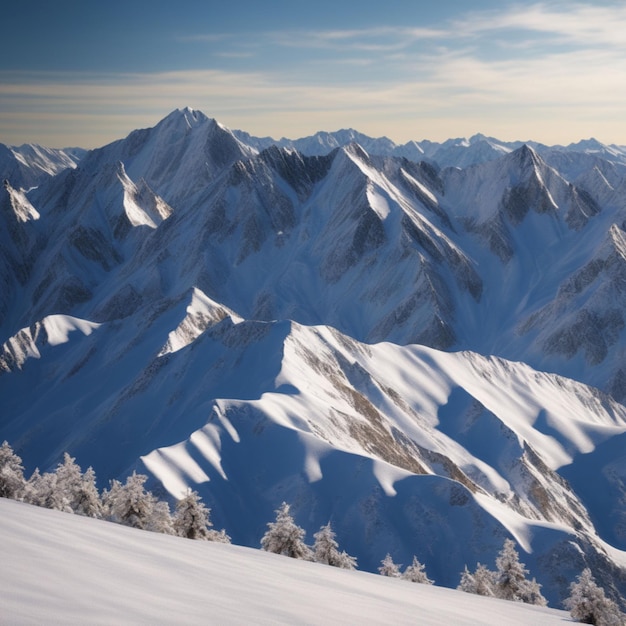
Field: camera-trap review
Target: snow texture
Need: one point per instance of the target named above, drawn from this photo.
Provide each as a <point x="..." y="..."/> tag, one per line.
<point x="95" y="572"/>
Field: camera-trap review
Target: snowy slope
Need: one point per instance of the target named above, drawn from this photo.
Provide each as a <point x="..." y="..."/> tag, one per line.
<point x="93" y="572"/>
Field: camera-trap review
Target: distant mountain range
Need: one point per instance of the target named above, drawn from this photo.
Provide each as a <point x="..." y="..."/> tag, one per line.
<point x="424" y="343"/>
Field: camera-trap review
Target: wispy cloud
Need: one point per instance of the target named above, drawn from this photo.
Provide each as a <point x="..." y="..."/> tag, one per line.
<point x="561" y="78"/>
<point x="582" y="24"/>
<point x="235" y="54"/>
<point x="206" y="37"/>
<point x="368" y="39"/>
<point x="572" y="22"/>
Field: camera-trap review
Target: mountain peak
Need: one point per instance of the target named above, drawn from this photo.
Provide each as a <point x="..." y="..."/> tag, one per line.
<point x="183" y="119"/>
<point x="526" y="157"/>
<point x="354" y="149"/>
<point x="478" y="137"/>
<point x="590" y="144"/>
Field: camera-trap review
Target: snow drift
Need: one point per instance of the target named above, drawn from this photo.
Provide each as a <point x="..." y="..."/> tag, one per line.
<point x="63" y="568"/>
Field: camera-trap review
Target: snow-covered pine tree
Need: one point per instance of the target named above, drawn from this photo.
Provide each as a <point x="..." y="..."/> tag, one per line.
<point x="41" y="490"/>
<point x="284" y="536"/>
<point x="510" y="578"/>
<point x="510" y="574"/>
<point x="87" y="500"/>
<point x="30" y="494"/>
<point x="12" y="482"/>
<point x="389" y="568"/>
<point x="68" y="483"/>
<point x="219" y="536"/>
<point x="160" y="520"/>
<point x="193" y="520"/>
<point x="531" y="593"/>
<point x="588" y="604"/>
<point x="481" y="582"/>
<point x="62" y="489"/>
<point x="326" y="549"/>
<point x="347" y="561"/>
<point x="108" y="498"/>
<point x="416" y="573"/>
<point x="130" y="504"/>
<point x="467" y="582"/>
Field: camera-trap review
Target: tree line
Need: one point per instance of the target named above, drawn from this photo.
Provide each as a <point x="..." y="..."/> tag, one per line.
<point x="587" y="601"/>
<point x="69" y="489"/>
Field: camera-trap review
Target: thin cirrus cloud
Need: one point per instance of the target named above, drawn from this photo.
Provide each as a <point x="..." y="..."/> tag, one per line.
<point x="387" y="36"/>
<point x="368" y="39"/>
<point x="567" y="22"/>
<point x="553" y="72"/>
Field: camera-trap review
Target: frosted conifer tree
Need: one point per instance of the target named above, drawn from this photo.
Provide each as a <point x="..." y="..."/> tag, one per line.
<point x="510" y="574"/>
<point x="12" y="482"/>
<point x="326" y="549"/>
<point x="109" y="496"/>
<point x="284" y="536"/>
<point x="58" y="490"/>
<point x="218" y="536"/>
<point x="30" y="493"/>
<point x="193" y="520"/>
<point x="68" y="483"/>
<point x="588" y="604"/>
<point x="160" y="520"/>
<point x="42" y="490"/>
<point x="130" y="504"/>
<point x="346" y="561"/>
<point x="468" y="582"/>
<point x="510" y="578"/>
<point x="389" y="568"/>
<point x="87" y="500"/>
<point x="531" y="593"/>
<point x="481" y="582"/>
<point x="416" y="573"/>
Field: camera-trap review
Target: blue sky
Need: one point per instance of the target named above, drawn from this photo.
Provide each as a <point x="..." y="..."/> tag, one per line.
<point x="83" y="73"/>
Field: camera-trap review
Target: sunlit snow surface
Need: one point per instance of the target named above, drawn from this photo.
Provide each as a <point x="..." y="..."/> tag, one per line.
<point x="58" y="568"/>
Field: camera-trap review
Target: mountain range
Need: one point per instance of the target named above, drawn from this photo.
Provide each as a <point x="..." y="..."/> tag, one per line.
<point x="423" y="343"/>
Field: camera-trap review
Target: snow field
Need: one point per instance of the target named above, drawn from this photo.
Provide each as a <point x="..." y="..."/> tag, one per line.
<point x="59" y="568"/>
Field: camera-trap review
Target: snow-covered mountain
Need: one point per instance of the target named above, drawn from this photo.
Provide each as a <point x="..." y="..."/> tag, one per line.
<point x="28" y="165"/>
<point x="457" y="152"/>
<point x="266" y="325"/>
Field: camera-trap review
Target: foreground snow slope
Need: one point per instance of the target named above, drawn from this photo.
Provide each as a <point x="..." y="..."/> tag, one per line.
<point x="61" y="568"/>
